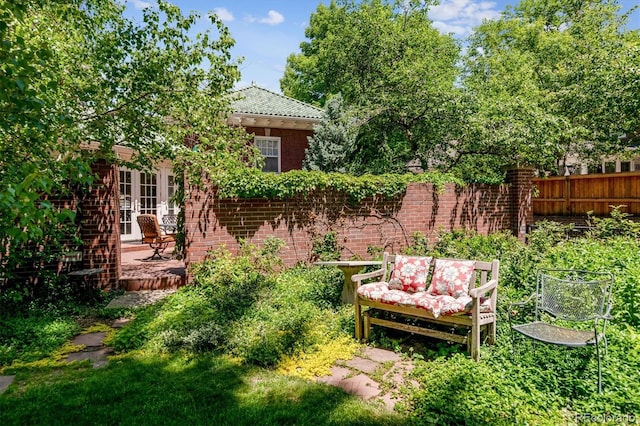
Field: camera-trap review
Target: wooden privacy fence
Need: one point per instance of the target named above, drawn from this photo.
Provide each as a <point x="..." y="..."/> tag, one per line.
<point x="579" y="194"/>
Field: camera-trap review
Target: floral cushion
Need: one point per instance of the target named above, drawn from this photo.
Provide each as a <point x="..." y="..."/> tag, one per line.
<point x="410" y="273"/>
<point x="461" y="305"/>
<point x="437" y="305"/>
<point x="452" y="277"/>
<point x="380" y="292"/>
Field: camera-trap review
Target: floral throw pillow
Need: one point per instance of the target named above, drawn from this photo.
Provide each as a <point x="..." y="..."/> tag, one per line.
<point x="452" y="277"/>
<point x="410" y="273"/>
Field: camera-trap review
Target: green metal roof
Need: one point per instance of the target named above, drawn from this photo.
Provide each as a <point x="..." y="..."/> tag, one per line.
<point x="259" y="101"/>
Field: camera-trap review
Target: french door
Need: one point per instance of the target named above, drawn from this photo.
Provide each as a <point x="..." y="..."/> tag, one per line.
<point x="144" y="193"/>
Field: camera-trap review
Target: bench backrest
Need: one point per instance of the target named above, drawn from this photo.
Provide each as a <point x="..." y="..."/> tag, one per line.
<point x="483" y="272"/>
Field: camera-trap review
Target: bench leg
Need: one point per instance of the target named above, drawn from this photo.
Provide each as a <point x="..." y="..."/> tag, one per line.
<point x="358" y="320"/>
<point x="475" y="343"/>
<point x="492" y="333"/>
<point x="367" y="326"/>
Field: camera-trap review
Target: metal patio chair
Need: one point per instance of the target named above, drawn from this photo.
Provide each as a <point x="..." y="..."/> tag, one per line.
<point x="571" y="308"/>
<point x="169" y="223"/>
<point x="152" y="235"/>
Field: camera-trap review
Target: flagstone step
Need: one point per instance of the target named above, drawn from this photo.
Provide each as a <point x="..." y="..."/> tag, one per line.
<point x="5" y="382"/>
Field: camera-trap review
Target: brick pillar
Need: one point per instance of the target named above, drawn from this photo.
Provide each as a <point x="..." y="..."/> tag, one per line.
<point x="101" y="225"/>
<point x="521" y="181"/>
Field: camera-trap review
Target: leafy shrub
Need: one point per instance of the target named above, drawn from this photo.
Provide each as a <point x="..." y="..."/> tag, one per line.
<point x="240" y="307"/>
<point x="197" y="317"/>
<point x="547" y="234"/>
<point x="618" y="224"/>
<point x="538" y="384"/>
<point x="320" y="285"/>
<point x="419" y="245"/>
<point x="457" y="390"/>
<point x="271" y="332"/>
<point x="468" y="244"/>
<point x="205" y="337"/>
<point x="326" y="247"/>
<point x="282" y="323"/>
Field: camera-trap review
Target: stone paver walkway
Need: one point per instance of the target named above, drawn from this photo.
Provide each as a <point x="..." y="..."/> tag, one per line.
<point x="134" y="299"/>
<point x="94" y="349"/>
<point x="5" y="381"/>
<point x="375" y="374"/>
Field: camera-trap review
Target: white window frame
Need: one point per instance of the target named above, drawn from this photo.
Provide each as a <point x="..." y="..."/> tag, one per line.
<point x="258" y="139"/>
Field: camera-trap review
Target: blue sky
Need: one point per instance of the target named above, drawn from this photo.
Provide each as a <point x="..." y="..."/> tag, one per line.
<point x="267" y="31"/>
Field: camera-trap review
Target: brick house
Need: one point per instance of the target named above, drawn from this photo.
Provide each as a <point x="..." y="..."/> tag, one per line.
<point x="280" y="124"/>
<point x="627" y="161"/>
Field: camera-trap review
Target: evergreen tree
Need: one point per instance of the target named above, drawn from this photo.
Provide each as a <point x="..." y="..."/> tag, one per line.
<point x="334" y="139"/>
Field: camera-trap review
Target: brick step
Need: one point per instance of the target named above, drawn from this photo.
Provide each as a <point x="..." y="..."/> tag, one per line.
<point x="165" y="282"/>
<point x="151" y="275"/>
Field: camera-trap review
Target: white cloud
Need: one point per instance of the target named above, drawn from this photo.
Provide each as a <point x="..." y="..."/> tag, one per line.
<point x="445" y="28"/>
<point x="460" y="16"/>
<point x="272" y="18"/>
<point x="224" y="14"/>
<point x="139" y="4"/>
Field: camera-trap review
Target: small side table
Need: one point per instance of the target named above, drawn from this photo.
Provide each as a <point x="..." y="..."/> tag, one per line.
<point x="84" y="276"/>
<point x="349" y="268"/>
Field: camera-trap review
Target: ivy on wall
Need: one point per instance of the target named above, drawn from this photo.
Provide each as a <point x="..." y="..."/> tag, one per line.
<point x="253" y="183"/>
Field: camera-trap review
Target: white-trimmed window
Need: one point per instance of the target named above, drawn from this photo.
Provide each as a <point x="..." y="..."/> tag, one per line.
<point x="269" y="147"/>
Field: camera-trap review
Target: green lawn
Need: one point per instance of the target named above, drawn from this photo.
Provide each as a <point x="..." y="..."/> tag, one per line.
<point x="146" y="389"/>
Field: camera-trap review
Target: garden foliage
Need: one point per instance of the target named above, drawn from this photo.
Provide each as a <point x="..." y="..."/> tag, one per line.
<point x="249" y="182"/>
<point x="539" y="384"/>
<point x="333" y="141"/>
<point x="240" y="306"/>
<point x="251" y="308"/>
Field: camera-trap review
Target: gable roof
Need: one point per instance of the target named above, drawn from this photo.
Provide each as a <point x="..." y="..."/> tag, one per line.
<point x="259" y="107"/>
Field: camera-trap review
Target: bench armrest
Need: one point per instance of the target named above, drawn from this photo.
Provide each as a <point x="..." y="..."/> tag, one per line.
<point x="479" y="291"/>
<point x="358" y="278"/>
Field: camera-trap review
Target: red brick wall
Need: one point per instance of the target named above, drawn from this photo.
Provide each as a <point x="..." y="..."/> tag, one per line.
<point x="521" y="181"/>
<point x="100" y="228"/>
<point x="292" y="145"/>
<point x="211" y="222"/>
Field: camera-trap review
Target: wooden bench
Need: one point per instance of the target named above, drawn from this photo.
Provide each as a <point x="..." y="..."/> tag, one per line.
<point x="472" y="309"/>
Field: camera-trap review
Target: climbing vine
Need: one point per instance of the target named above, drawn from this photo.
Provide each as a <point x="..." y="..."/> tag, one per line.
<point x="253" y="183"/>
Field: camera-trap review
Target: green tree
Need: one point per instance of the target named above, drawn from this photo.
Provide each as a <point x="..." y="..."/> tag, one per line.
<point x="78" y="72"/>
<point x="333" y="142"/>
<point x="394" y="70"/>
<point x="78" y="78"/>
<point x="552" y="79"/>
<point x="303" y="79"/>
